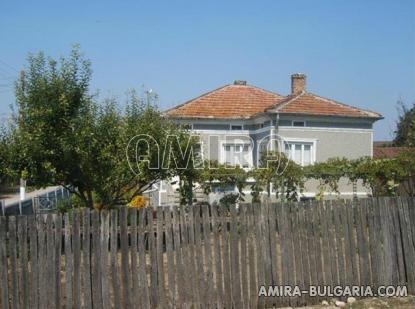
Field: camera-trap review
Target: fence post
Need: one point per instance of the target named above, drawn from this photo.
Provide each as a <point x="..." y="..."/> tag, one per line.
<point x="3" y="207"/>
<point x="20" y="207"/>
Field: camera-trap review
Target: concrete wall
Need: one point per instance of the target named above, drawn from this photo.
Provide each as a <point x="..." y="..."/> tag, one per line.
<point x="348" y="143"/>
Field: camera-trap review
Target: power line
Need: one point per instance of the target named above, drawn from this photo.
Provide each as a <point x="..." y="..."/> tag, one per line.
<point x="9" y="66"/>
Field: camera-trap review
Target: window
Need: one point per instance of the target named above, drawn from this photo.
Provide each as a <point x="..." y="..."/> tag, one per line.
<point x="198" y="155"/>
<point x="237" y="155"/>
<point x="187" y="126"/>
<point x="298" y="123"/>
<point x="300" y="153"/>
<point x="236" y="127"/>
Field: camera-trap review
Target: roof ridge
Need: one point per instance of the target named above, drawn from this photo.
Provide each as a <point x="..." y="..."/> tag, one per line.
<point x="194" y="99"/>
<point x="288" y="99"/>
<point x="262" y="89"/>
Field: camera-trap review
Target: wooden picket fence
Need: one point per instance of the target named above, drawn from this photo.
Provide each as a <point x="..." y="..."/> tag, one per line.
<point x="204" y="257"/>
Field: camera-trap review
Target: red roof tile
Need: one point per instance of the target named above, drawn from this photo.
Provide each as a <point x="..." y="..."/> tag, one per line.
<point x="389" y="152"/>
<point x="311" y="104"/>
<point x="246" y="101"/>
<point x="230" y="101"/>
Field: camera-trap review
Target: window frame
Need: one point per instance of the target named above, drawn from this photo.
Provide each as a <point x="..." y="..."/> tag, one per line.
<point x="249" y="158"/>
<point x="298" y="121"/>
<point x="236" y="125"/>
<point x="291" y="145"/>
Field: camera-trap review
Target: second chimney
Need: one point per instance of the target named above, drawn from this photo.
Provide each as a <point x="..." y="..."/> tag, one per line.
<point x="298" y="83"/>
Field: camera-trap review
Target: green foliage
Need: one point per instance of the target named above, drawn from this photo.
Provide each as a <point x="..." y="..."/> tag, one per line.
<point x="187" y="164"/>
<point x="383" y="176"/>
<point x="62" y="135"/>
<point x="405" y="126"/>
<point x="216" y="175"/>
<point x="285" y="176"/>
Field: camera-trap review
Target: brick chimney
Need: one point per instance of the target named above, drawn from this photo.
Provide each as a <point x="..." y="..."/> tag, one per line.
<point x="240" y="82"/>
<point x="298" y="83"/>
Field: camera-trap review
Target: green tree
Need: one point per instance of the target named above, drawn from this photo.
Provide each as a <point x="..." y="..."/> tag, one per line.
<point x="64" y="136"/>
<point x="405" y="126"/>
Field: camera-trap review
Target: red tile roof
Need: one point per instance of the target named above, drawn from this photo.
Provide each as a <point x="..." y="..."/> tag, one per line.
<point x="230" y="101"/>
<point x="246" y="101"/>
<point x="388" y="152"/>
<point x="311" y="104"/>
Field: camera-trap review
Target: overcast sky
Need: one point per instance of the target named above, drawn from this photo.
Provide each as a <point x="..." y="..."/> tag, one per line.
<point x="357" y="52"/>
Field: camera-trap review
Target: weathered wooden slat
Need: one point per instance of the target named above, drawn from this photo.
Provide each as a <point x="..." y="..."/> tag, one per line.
<point x="260" y="258"/>
<point x="273" y="243"/>
<point x="226" y="256"/>
<point x="390" y="265"/>
<point x="171" y="290"/>
<point x="152" y="245"/>
<point x="298" y="253"/>
<point x="68" y="263"/>
<point x="4" y="265"/>
<point x="115" y="271"/>
<point x="76" y="245"/>
<point x="316" y="231"/>
<point x="398" y="243"/>
<point x="96" y="260"/>
<point x="389" y="221"/>
<point x="196" y="293"/>
<point x="291" y="249"/>
<point x="57" y="222"/>
<point x="235" y="267"/>
<point x="143" y="282"/>
<point x="207" y="253"/>
<point x="34" y="268"/>
<point x="133" y="255"/>
<point x="265" y="243"/>
<point x="187" y="252"/>
<point x="200" y="269"/>
<point x="284" y="248"/>
<point x="86" y="259"/>
<point x="244" y="257"/>
<point x="179" y="276"/>
<point x="253" y="279"/>
<point x="310" y="244"/>
<point x="14" y="295"/>
<point x="105" y="284"/>
<point x="125" y="269"/>
<point x="347" y="243"/>
<point x="161" y="278"/>
<point x="43" y="279"/>
<point x="353" y="245"/>
<point x="339" y="244"/>
<point x="217" y="256"/>
<point x="302" y="227"/>
<point x="379" y="236"/>
<point x="373" y="243"/>
<point x="49" y="263"/>
<point x="328" y="277"/>
<point x="362" y="235"/>
<point x="23" y="261"/>
<point x="331" y="235"/>
<point x="408" y="246"/>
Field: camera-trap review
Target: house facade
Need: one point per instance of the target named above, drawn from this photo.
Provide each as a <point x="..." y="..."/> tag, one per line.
<point x="238" y="122"/>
